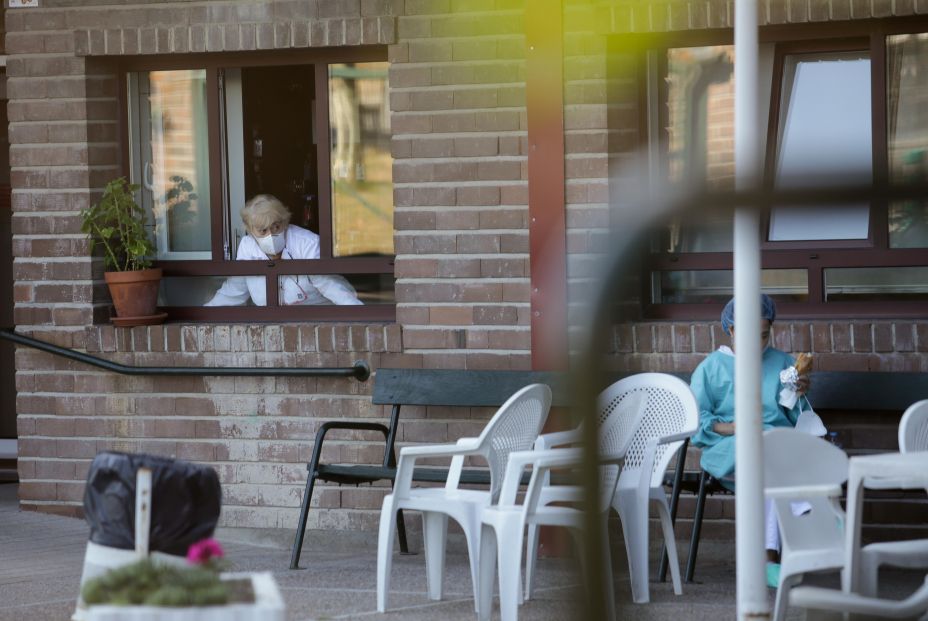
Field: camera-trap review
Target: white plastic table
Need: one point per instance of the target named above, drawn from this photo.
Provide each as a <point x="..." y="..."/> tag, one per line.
<point x="883" y="471"/>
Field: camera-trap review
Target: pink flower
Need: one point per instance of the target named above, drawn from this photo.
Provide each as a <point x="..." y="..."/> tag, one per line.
<point x="203" y="551"/>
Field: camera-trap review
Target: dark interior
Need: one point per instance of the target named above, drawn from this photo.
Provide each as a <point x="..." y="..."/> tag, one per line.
<point x="280" y="154"/>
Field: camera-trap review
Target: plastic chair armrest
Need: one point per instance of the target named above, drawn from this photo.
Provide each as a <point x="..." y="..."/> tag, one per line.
<point x="541" y="461"/>
<point x="550" y="440"/>
<point x="436" y="450"/>
<point x="804" y="491"/>
<point x="409" y="454"/>
<point x="676" y="437"/>
<point x="894" y="483"/>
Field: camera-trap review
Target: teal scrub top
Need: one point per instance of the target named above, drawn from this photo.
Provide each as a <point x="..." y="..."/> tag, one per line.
<point x="714" y="387"/>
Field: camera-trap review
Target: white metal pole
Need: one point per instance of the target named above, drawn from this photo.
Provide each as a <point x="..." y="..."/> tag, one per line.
<point x="749" y="499"/>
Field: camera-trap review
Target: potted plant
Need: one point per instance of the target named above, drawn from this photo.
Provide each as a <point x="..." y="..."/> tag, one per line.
<point x="120" y="226"/>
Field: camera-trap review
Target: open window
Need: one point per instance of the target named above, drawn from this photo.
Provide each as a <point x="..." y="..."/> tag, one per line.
<point x="314" y="133"/>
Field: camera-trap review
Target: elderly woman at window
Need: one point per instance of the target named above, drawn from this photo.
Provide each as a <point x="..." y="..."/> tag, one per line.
<point x="271" y="236"/>
<point x="713" y="384"/>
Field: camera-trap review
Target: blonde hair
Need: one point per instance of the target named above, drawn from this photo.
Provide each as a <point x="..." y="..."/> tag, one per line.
<point x="263" y="210"/>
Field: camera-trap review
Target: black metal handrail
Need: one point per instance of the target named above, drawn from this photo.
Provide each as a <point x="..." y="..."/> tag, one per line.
<point x="360" y="370"/>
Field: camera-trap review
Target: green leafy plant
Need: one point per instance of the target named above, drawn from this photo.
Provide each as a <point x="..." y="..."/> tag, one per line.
<point x="153" y="584"/>
<point x="120" y="226"/>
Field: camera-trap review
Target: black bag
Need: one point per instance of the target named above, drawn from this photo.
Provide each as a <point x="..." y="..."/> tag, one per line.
<point x="185" y="502"/>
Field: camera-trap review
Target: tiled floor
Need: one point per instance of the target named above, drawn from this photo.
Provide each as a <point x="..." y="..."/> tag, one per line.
<point x="41" y="558"/>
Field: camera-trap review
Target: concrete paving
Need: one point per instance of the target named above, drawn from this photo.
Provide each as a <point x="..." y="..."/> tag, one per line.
<point x="41" y="558"/>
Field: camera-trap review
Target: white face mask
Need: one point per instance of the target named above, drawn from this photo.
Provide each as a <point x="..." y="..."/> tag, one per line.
<point x="272" y="244"/>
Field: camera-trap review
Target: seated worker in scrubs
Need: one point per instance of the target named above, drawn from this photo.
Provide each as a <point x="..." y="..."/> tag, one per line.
<point x="271" y="236"/>
<point x="714" y="387"/>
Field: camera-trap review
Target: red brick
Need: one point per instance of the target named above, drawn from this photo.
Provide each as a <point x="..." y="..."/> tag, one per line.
<point x="841" y="337"/>
<point x="451" y="315"/>
<point x="663" y="338"/>
<point x="863" y="337"/>
<point x="643" y="339"/>
<point x="801" y="336"/>
<point x="905" y="337"/>
<point x="922" y="335"/>
<point x="702" y="338"/>
<point x="882" y="337"/>
<point x="682" y="339"/>
<point x="821" y="337"/>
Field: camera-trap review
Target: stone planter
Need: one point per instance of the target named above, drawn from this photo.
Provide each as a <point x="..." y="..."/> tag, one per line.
<point x="268" y="606"/>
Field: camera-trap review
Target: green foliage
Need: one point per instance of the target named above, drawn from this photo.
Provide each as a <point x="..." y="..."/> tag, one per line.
<point x="120" y="226"/>
<point x="180" y="194"/>
<point x="148" y="584"/>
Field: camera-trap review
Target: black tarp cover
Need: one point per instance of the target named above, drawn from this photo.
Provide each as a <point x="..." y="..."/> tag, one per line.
<point x="185" y="503"/>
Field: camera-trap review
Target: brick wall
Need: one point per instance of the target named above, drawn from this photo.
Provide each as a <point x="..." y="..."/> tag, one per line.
<point x="459" y="137"/>
<point x="65" y="145"/>
<point x="457" y="97"/>
<point x="459" y="143"/>
<point x="617" y="16"/>
<point x="835" y="346"/>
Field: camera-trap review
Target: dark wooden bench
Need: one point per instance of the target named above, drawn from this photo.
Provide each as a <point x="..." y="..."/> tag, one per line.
<point x="846" y="391"/>
<point x="417" y="387"/>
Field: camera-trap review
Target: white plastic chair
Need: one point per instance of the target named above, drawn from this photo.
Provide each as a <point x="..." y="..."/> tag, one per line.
<point x="817" y="598"/>
<point x="504" y="524"/>
<point x="514" y="427"/>
<point x="912" y="554"/>
<point x="660" y="412"/>
<point x="802" y="467"/>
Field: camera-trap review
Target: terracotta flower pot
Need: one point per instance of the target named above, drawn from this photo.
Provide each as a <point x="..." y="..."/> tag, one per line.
<point x="135" y="296"/>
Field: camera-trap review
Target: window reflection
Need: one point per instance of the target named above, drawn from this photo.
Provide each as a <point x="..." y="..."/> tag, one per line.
<point x="362" y="175"/>
<point x="170" y="158"/>
<point x="700" y="141"/>
<point x="907" y="112"/>
<point x="717" y="286"/>
<point x="876" y="283"/>
<point x="368" y="288"/>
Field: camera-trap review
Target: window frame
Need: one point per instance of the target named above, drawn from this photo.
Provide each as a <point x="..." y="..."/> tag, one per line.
<point x="813" y="256"/>
<point x="270" y="270"/>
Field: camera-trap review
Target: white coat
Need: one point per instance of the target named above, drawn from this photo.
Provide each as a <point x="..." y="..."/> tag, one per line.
<point x="319" y="289"/>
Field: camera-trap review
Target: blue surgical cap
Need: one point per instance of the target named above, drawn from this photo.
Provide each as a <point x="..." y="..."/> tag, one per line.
<point x="768" y="310"/>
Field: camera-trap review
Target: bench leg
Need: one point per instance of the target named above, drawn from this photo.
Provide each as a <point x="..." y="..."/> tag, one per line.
<point x="301" y="527"/>
<point x="401" y="532"/>
<point x="674" y="501"/>
<point x="697" y="526"/>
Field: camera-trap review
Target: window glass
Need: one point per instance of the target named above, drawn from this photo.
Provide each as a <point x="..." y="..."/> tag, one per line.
<point x="825" y="139"/>
<point x="362" y="176"/>
<point x="907" y="120"/>
<point x="336" y="289"/>
<point x="188" y="290"/>
<point x="170" y="159"/>
<point x="717" y="286"/>
<point x="876" y="283"/>
<point x="700" y="141"/>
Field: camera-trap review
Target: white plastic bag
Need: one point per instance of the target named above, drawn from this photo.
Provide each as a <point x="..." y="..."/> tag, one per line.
<point x="809" y="422"/>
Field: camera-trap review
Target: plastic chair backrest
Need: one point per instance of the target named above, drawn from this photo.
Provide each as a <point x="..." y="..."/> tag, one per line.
<point x="514" y="427"/>
<point x="618" y="418"/>
<point x="657" y="405"/>
<point x="913" y="428"/>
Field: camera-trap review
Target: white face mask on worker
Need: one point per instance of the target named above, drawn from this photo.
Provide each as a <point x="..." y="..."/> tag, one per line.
<point x="271" y="244"/>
